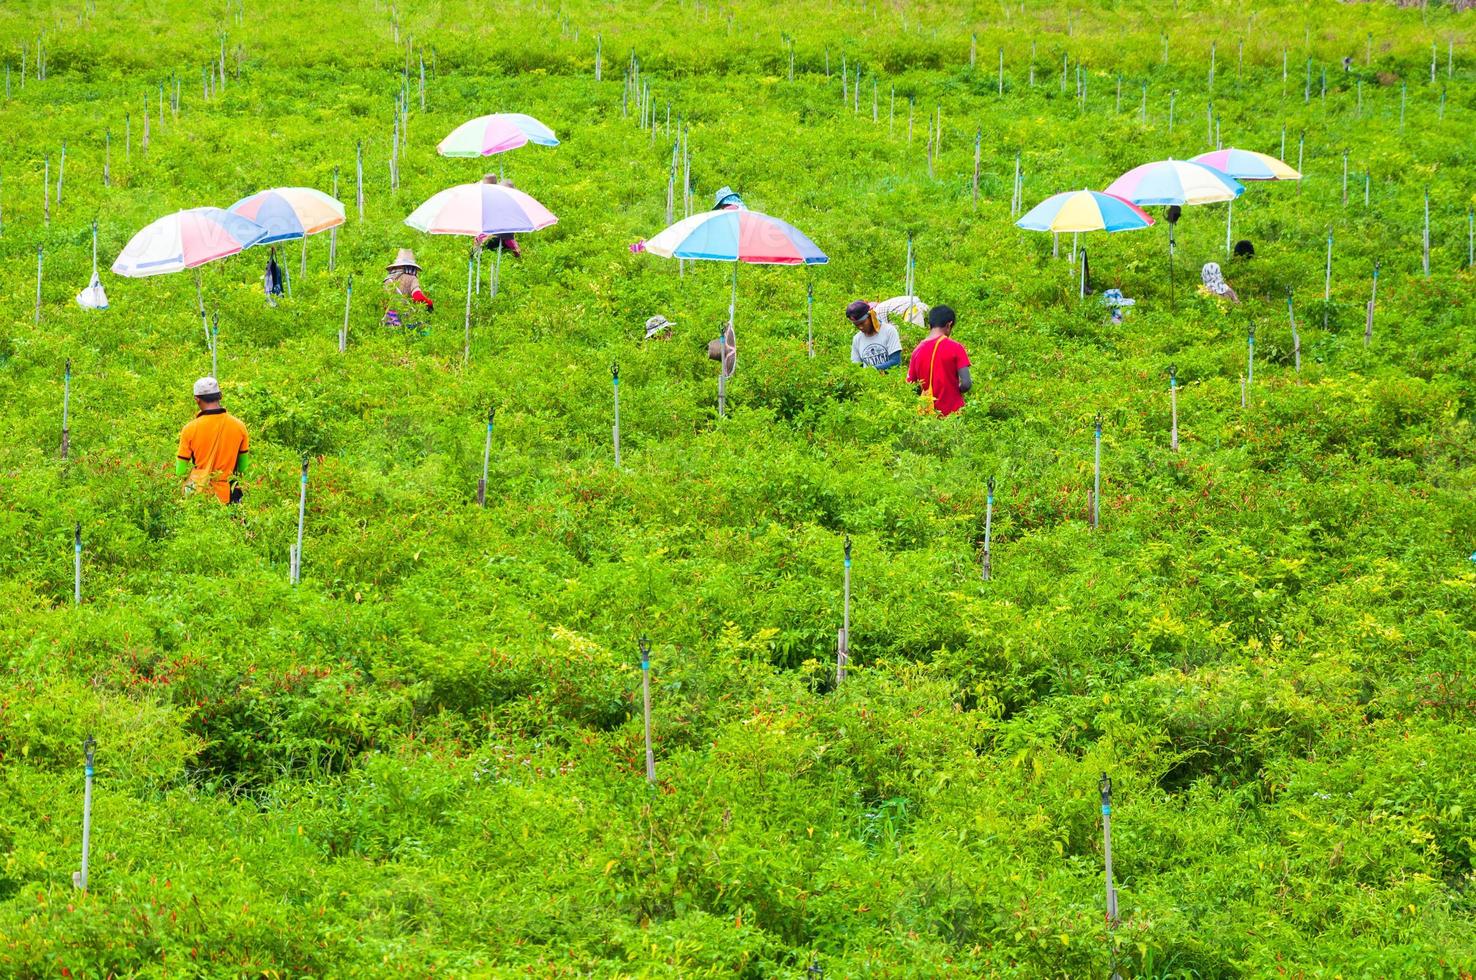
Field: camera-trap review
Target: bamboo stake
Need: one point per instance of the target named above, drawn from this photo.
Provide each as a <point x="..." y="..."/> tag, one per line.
<point x="79" y="880"/>
<point x="1250" y="356"/>
<point x="301" y="515"/>
<point x="988" y="530"/>
<point x="810" y="318"/>
<point x="1327" y="280"/>
<point x="38" y="285"/>
<point x="843" y="641"/>
<point x="1425" y="260"/>
<point x="978" y="142"/>
<point x="1096" y="470"/>
<point x="66" y="435"/>
<point x="61" y="173"/>
<point x="1173" y="408"/>
<point x="1291" y="314"/>
<point x="1372" y="298"/>
<point x="645" y="647"/>
<point x="348" y="302"/>
<point x="486" y="459"/>
<point x="615" y="383"/>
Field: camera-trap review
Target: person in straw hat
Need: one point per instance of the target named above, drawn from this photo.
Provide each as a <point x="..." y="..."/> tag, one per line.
<point x="404" y="278"/>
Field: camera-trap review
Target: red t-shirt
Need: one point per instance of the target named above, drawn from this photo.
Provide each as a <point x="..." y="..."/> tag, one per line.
<point x="943" y="381"/>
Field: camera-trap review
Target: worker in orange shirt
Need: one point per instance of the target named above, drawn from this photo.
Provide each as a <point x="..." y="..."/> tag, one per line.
<point x="212" y="446"/>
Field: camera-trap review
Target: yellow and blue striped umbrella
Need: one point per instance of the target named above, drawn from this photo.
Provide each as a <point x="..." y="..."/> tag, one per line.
<point x="1076" y="211"/>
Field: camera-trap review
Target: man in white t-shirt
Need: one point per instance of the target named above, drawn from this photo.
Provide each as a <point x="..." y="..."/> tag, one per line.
<point x="875" y="344"/>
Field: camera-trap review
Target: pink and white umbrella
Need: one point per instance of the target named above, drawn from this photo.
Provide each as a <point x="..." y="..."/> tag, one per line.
<point x="186" y="240"/>
<point x="486" y="135"/>
<point x="480" y="209"/>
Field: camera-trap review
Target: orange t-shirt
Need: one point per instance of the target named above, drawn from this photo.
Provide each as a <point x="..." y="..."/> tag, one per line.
<point x="213" y="441"/>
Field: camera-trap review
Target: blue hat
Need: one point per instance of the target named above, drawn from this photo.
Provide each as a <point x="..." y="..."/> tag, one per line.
<point x="727" y="196"/>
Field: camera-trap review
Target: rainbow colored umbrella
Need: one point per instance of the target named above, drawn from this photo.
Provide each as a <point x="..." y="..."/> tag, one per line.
<point x="497" y="133"/>
<point x="1175" y="182"/>
<point x="1077" y="211"/>
<point x="186" y="240"/>
<point x="736" y="236"/>
<point x="1247" y="165"/>
<point x="290" y="212"/>
<point x="480" y="209"/>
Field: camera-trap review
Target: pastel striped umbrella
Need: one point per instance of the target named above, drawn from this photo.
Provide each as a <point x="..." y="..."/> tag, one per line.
<point x="1175" y="182"/>
<point x="497" y="133"/>
<point x="186" y="240"/>
<point x="736" y="235"/>
<point x="1247" y="165"/>
<point x="290" y="212"/>
<point x="480" y="209"/>
<point x="1077" y="211"/>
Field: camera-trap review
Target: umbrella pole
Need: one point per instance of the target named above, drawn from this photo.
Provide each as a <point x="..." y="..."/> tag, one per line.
<point x="1171" y="268"/>
<point x="810" y="318"/>
<point x="303" y="268"/>
<point x="497" y="270"/>
<point x="478" y="287"/>
<point x="1229" y="214"/>
<point x="466" y="348"/>
<point x="200" y="302"/>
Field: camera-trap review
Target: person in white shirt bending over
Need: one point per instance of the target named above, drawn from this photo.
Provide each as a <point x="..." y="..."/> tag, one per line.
<point x="876" y="343"/>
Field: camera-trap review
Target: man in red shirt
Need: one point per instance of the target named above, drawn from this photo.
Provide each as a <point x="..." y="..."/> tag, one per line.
<point x="940" y="365"/>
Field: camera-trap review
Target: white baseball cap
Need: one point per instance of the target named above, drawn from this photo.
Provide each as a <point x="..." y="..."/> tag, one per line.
<point x="206" y="386"/>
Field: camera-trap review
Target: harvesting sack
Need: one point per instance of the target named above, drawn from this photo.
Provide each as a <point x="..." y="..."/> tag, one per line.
<point x="93" y="297"/>
<point x="905" y="309"/>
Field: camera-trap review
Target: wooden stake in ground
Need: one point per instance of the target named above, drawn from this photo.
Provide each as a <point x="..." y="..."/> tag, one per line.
<point x="486" y="459"/>
<point x="38" y="285"/>
<point x="615" y="383"/>
<point x="1372" y="298"/>
<point x="988" y="529"/>
<point x="1296" y="340"/>
<point x="359" y="169"/>
<point x="46" y="192"/>
<point x="1173" y="408"/>
<point x="66" y="438"/>
<point x="61" y="173"/>
<point x="645" y="646"/>
<point x="843" y="640"/>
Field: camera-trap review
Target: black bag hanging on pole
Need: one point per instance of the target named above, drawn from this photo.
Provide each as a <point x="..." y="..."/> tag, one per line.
<point x="272" y="279"/>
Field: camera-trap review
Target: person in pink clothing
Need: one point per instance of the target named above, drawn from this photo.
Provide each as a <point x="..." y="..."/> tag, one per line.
<point x="940" y="365"/>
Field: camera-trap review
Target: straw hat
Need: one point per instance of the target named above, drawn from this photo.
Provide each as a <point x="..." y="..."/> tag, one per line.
<point x="656" y="325"/>
<point x="406" y="259"/>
